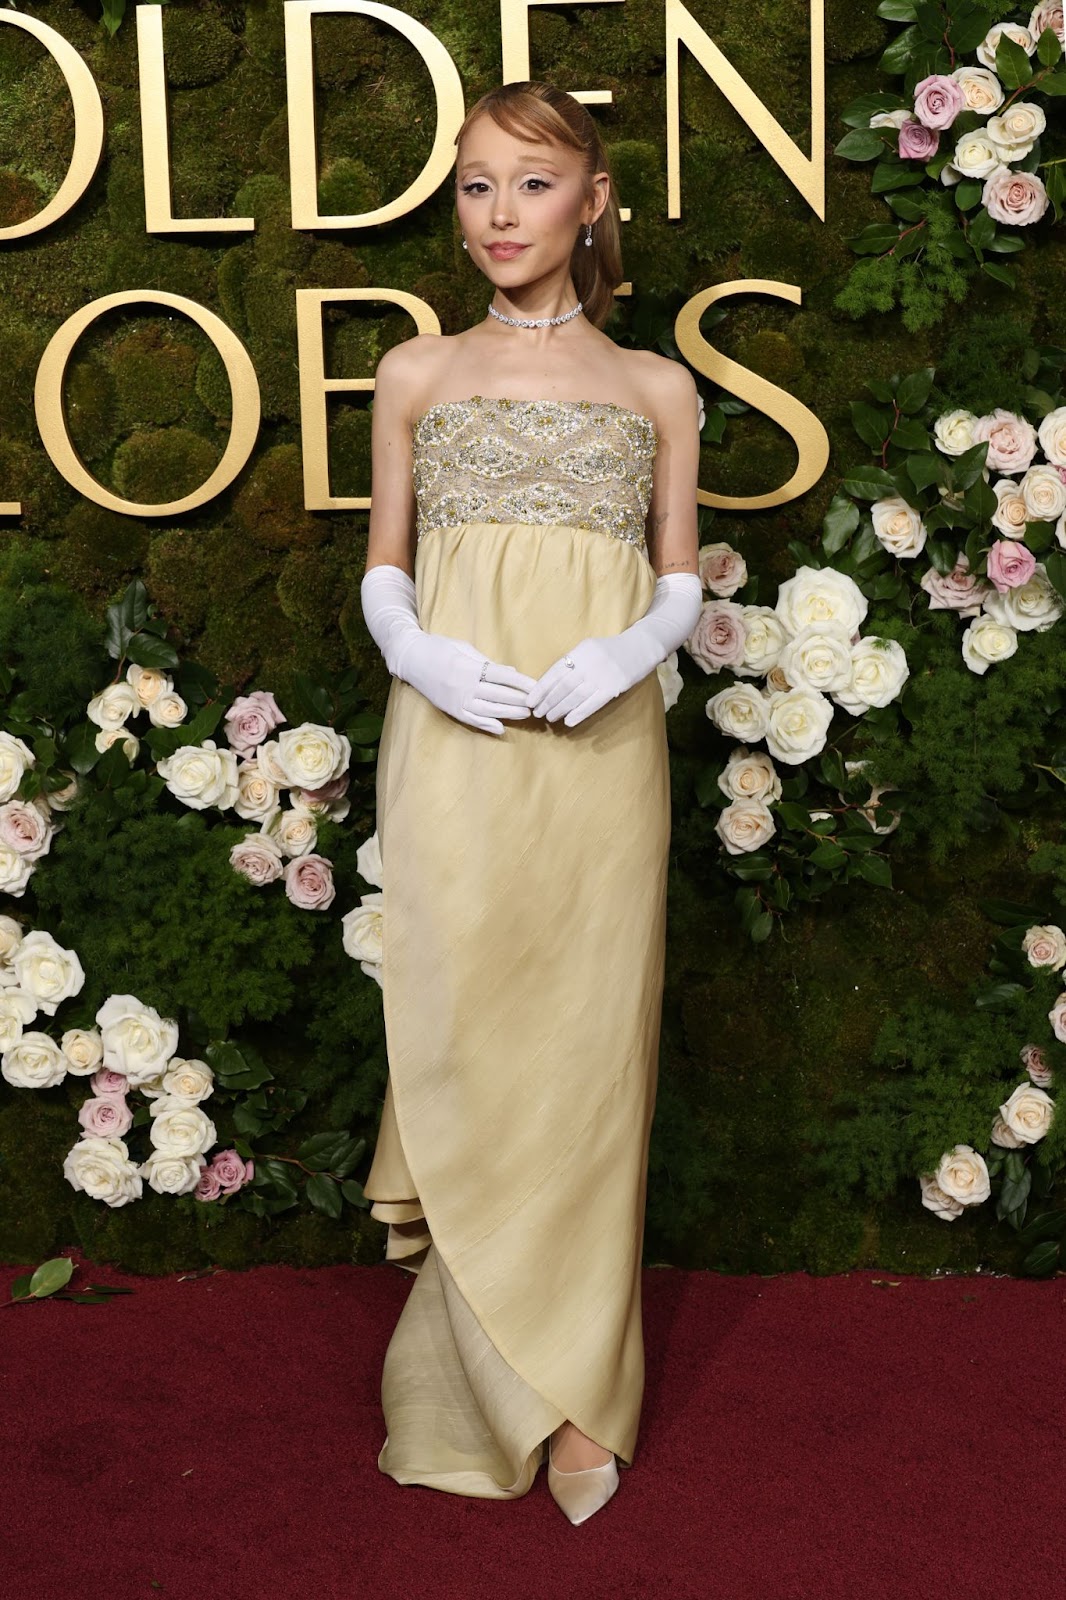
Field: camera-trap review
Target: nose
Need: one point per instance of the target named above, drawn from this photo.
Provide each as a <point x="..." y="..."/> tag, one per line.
<point x="502" y="216"/>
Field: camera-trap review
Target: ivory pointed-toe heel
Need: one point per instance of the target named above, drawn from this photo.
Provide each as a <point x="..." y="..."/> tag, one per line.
<point x="579" y="1494"/>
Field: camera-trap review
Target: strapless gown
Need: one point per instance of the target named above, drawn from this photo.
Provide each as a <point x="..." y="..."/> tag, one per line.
<point x="524" y="921"/>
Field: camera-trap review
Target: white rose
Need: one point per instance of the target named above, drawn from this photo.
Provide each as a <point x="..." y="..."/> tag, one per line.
<point x="1045" y="946"/>
<point x="294" y="830"/>
<point x="10" y="937"/>
<point x="1052" y="436"/>
<point x="963" y="1175"/>
<point x="15" y="870"/>
<point x="180" y="1128"/>
<point x="898" y="526"/>
<point x="312" y="755"/>
<point x="112" y="706"/>
<point x="796" y="725"/>
<point x="986" y="50"/>
<point x="749" y="775"/>
<point x="765" y="638"/>
<point x="171" y="1174"/>
<point x="63" y="799"/>
<point x="670" y="682"/>
<point x="258" y="858"/>
<point x="976" y="154"/>
<point x="745" y="825"/>
<point x="17" y="1008"/>
<point x="892" y="119"/>
<point x="363" y="928"/>
<point x="368" y="858"/>
<point x="740" y="712"/>
<point x="188" y="1079"/>
<point x="1002" y="1135"/>
<point x="269" y="762"/>
<point x="148" y="683"/>
<point x="1033" y="605"/>
<point x="1044" y="494"/>
<point x="878" y="672"/>
<point x="137" y="1040"/>
<point x="986" y="642"/>
<point x="46" y="971"/>
<point x="983" y="90"/>
<point x="201" y="775"/>
<point x="102" y="1168"/>
<point x="953" y="432"/>
<point x="821" y="594"/>
<point x="939" y="1203"/>
<point x="1017" y="129"/>
<point x="26" y="827"/>
<point x="1011" y="513"/>
<point x="109" y="736"/>
<point x="1028" y="1113"/>
<point x="83" y="1049"/>
<point x="15" y="757"/>
<point x="169" y="710"/>
<point x="1057" y="1017"/>
<point x="818" y="657"/>
<point x="257" y="797"/>
<point x="34" y="1062"/>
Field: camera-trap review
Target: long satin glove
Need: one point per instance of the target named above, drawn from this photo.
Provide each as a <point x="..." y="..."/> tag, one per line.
<point x="606" y="667"/>
<point x="447" y="671"/>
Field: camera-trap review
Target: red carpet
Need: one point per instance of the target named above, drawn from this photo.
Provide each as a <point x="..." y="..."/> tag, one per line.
<point x="801" y="1437"/>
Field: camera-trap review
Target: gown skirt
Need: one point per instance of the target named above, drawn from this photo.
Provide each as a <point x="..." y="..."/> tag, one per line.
<point x="523" y="941"/>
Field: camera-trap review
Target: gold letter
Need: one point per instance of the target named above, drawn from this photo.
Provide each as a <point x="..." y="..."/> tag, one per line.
<point x="88" y="126"/>
<point x="810" y="438"/>
<point x="314" y="385"/>
<point x="300" y="75"/>
<point x="808" y="175"/>
<point x="48" y="402"/>
<point x="155" y="138"/>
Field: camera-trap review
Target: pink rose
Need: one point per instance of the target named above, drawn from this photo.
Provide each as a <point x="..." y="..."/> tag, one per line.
<point x="257" y="857"/>
<point x="1015" y="197"/>
<point x="1010" y="564"/>
<point x="1057" y="1017"/>
<point x="25" y="828"/>
<point x="1048" y="14"/>
<point x="334" y="790"/>
<point x="916" y="142"/>
<point x="723" y="570"/>
<point x="309" y="882"/>
<point x="208" y="1187"/>
<point x="959" y="590"/>
<point x="1012" y="440"/>
<point x="107" y="1118"/>
<point x="232" y="1173"/>
<point x="250" y="718"/>
<point x="1035" y="1063"/>
<point x="718" y="638"/>
<point x="938" y="100"/>
<point x="107" y="1082"/>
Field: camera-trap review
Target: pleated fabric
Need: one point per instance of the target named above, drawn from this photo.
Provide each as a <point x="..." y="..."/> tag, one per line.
<point x="524" y="920"/>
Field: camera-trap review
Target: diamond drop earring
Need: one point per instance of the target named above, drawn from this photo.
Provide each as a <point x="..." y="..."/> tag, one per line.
<point x="464" y="241"/>
<point x="588" y="234"/>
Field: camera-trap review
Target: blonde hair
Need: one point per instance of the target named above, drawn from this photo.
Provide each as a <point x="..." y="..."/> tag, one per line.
<point x="548" y="113"/>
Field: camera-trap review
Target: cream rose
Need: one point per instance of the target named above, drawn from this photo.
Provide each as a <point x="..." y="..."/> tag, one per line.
<point x="953" y="431"/>
<point x="46" y="971"/>
<point x="102" y="1168"/>
<point x="137" y="1040"/>
<point x="147" y="683"/>
<point x="891" y="119"/>
<point x="112" y="706"/>
<point x="1011" y="440"/>
<point x="739" y="712"/>
<point x="295" y="830"/>
<point x="63" y="799"/>
<point x="1045" y="946"/>
<point x="878" y="672"/>
<point x="987" y="642"/>
<point x="1057" y="1017"/>
<point x="818" y="657"/>
<point x="312" y="755"/>
<point x="26" y="828"/>
<point x="1028" y="1112"/>
<point x="977" y="154"/>
<point x="180" y="1128"/>
<point x="15" y="757"/>
<point x="745" y="825"/>
<point x="821" y="594"/>
<point x="1052" y="436"/>
<point x="10" y="937"/>
<point x="363" y="931"/>
<point x="1044" y="494"/>
<point x="83" y="1049"/>
<point x="129" y="741"/>
<point x="1047" y="14"/>
<point x="749" y="775"/>
<point x="268" y="760"/>
<point x="958" y="590"/>
<point x="34" y="1062"/>
<point x="172" y="1174"/>
<point x="1035" y="605"/>
<point x="765" y="637"/>
<point x="188" y="1079"/>
<point x="1035" y="1063"/>
<point x="936" y="1201"/>
<point x="201" y="775"/>
<point x="796" y="724"/>
<point x="1017" y="129"/>
<point x="1003" y="1135"/>
<point x="986" y="50"/>
<point x="17" y="1009"/>
<point x="258" y="858"/>
<point x="15" y="871"/>
<point x="670" y="682"/>
<point x="169" y="710"/>
<point x="368" y="860"/>
<point x="257" y="797"/>
<point x="963" y="1175"/>
<point x="1011" y="514"/>
<point x="983" y="90"/>
<point x="1017" y="198"/>
<point x="898" y="527"/>
<point x="723" y="570"/>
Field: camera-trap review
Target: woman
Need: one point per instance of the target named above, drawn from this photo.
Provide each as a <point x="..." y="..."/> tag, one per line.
<point x="531" y="561"/>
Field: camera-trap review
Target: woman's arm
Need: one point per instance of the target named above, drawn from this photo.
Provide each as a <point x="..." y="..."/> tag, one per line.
<point x="392" y="501"/>
<point x="673" y="539"/>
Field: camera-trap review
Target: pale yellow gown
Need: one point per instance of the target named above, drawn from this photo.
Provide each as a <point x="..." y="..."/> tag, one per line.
<point x="524" y="919"/>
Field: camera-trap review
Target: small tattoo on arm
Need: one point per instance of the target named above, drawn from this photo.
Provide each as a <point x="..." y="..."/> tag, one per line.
<point x="670" y="564"/>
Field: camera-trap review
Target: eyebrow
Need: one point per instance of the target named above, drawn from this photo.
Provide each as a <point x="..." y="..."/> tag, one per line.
<point x="533" y="161"/>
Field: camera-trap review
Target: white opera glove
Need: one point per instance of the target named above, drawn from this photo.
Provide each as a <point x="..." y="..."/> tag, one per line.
<point x="451" y="673"/>
<point x="606" y="667"/>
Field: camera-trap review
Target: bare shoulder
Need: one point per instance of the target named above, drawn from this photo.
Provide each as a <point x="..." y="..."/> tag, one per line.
<point x="668" y="386"/>
<point x="409" y="370"/>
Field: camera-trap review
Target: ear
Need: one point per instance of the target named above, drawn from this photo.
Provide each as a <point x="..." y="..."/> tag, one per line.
<point x="601" y="188"/>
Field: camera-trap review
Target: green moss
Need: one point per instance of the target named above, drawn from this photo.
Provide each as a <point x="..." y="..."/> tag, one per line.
<point x="99" y="549"/>
<point x="197" y="46"/>
<point x="270" y="508"/>
<point x="156" y="466"/>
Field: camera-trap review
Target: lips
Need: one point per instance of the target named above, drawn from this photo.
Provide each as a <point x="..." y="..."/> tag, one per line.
<point x="506" y="252"/>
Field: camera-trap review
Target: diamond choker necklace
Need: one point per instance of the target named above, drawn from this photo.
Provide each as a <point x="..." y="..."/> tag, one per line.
<point x="535" y="322"/>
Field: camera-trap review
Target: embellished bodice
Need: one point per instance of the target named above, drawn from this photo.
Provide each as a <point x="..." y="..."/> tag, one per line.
<point x="583" y="463"/>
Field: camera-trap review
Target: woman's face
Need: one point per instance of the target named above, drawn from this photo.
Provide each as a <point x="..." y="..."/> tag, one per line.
<point x="521" y="202"/>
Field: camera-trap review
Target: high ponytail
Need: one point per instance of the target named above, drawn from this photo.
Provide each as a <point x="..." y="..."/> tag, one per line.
<point x="549" y="113"/>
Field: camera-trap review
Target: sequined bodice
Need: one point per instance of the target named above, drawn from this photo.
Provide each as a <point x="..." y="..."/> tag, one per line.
<point x="583" y="463"/>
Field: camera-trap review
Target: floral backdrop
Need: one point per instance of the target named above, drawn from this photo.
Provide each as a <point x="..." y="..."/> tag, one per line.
<point x="865" y="1008"/>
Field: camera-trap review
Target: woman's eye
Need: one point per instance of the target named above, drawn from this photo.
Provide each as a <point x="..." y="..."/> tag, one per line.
<point x="540" y="182"/>
<point x="468" y="188"/>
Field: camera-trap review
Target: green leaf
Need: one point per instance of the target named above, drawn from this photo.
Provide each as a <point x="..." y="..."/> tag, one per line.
<point x="999" y="996"/>
<point x="914" y="389"/>
<point x="898" y="11"/>
<point x="870" y="483"/>
<point x="898" y="56"/>
<point x="861" y="144"/>
<point x="872" y="426"/>
<point x="50" y="1276"/>
<point x="1048" y="48"/>
<point x="911" y="435"/>
<point x="969" y="466"/>
<point x="81" y="751"/>
<point x="1041" y="1260"/>
<point x="148" y="651"/>
<point x="324" y="1194"/>
<point x="982" y="231"/>
<point x="875" y="239"/>
<point x="353" y="1192"/>
<point x="876" y="869"/>
<point x="1013" y="67"/>
<point x="829" y="855"/>
<point x="839" y="523"/>
<point x="760" y="928"/>
<point x="319" y="1151"/>
<point x="1010" y="912"/>
<point x="967" y="192"/>
<point x="923" y="469"/>
<point x="20" y="1286"/>
<point x="1055" y="566"/>
<point x="1001" y="274"/>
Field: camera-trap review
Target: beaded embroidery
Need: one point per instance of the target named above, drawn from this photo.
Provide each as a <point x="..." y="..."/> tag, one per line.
<point x="583" y="463"/>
